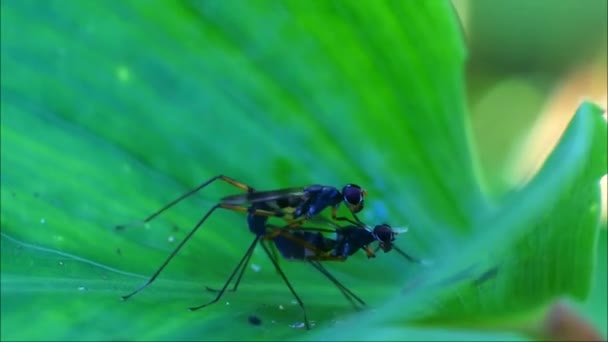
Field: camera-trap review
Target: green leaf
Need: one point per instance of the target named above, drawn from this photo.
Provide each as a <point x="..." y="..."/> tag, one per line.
<point x="538" y="246"/>
<point x="112" y="109"/>
<point x="593" y="307"/>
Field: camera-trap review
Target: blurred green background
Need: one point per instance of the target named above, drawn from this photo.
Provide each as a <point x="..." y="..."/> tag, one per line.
<point x="444" y="111"/>
<point x="541" y="58"/>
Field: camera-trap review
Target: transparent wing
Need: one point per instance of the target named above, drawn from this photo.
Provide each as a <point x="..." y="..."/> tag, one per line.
<point x="263" y="196"/>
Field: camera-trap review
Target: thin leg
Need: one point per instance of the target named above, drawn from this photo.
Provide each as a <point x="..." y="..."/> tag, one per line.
<point x="405" y="255"/>
<point x="293" y="292"/>
<point x="275" y="252"/>
<point x="274" y="256"/>
<point x="341" y="218"/>
<point x="327" y="258"/>
<point x="292" y="228"/>
<point x="369" y="252"/>
<point x="238" y="278"/>
<point x="226" y="179"/>
<point x="334" y="213"/>
<point x="242" y="263"/>
<point x="345" y="291"/>
<point x="181" y="244"/>
<point x="257" y="212"/>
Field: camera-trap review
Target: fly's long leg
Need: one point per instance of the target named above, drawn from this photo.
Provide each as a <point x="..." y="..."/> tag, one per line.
<point x="293" y="292"/>
<point x="241" y="264"/>
<point x="341" y="218"/>
<point x="226" y="179"/>
<point x="345" y="291"/>
<point x="238" y="278"/>
<point x="334" y="215"/>
<point x="402" y="253"/>
<point x="181" y="244"/>
<point x="407" y="256"/>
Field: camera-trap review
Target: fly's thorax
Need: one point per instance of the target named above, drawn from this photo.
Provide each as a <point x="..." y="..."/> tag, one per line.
<point x="351" y="239"/>
<point x="319" y="198"/>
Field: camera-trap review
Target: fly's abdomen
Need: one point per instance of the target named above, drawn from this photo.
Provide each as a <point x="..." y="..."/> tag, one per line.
<point x="257" y="223"/>
<point x="297" y="247"/>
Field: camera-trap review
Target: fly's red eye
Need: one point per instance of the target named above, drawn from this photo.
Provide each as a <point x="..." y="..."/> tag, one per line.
<point x="353" y="194"/>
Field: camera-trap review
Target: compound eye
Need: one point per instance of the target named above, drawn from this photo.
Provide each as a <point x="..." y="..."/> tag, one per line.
<point x="384" y="233"/>
<point x="353" y="194"/>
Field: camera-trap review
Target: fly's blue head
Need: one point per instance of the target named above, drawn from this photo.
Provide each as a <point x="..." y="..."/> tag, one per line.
<point x="385" y="235"/>
<point x="353" y="197"/>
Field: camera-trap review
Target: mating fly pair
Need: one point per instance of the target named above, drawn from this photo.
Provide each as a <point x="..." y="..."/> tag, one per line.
<point x="293" y="241"/>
